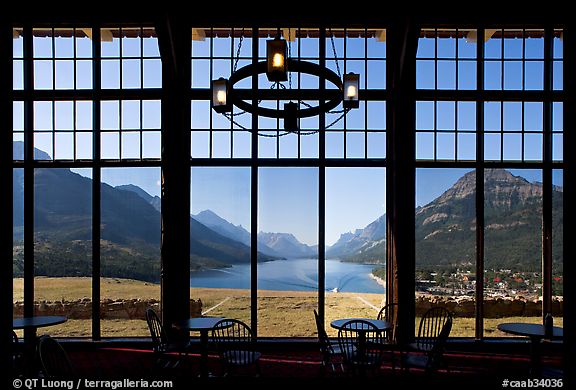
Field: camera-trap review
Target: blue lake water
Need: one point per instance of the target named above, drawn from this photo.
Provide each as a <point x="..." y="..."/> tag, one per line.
<point x="294" y="274"/>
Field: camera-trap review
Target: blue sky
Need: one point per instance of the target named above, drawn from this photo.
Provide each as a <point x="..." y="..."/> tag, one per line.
<point x="288" y="196"/>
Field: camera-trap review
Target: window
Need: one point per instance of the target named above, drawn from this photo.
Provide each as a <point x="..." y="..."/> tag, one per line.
<point x="459" y="137"/>
<point x="61" y="114"/>
<point x="355" y="243"/>
<point x="289" y="215"/>
<point x="221" y="276"/>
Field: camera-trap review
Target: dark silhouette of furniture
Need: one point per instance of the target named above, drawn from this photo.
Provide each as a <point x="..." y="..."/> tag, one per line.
<point x="536" y="332"/>
<point x="167" y="354"/>
<point x="427" y="352"/>
<point x="389" y="313"/>
<point x="202" y="325"/>
<point x="235" y="344"/>
<point x="30" y="326"/>
<point x="17" y="351"/>
<point x="359" y="341"/>
<point x="331" y="352"/>
<point x="54" y="361"/>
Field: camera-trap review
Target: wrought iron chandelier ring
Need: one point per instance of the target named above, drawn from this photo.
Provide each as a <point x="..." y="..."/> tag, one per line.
<point x="253" y="70"/>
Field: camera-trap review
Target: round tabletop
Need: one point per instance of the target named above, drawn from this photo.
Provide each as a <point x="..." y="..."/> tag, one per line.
<point x="379" y="324"/>
<point x="529" y="330"/>
<point x="37" y="322"/>
<point x="198" y="324"/>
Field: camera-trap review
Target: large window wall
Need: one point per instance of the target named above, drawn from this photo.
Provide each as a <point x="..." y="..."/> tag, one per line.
<point x="489" y="107"/>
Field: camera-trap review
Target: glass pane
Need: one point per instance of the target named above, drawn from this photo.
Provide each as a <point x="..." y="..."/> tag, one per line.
<point x="288" y="228"/>
<point x="446" y="244"/>
<point x="513" y="242"/>
<point x="355" y="242"/>
<point x="425" y="75"/>
<point x="446" y="74"/>
<point x="18" y="243"/>
<point x="220" y="277"/>
<point x="63" y="248"/>
<point x="130" y="249"/>
<point x="43" y="74"/>
<point x="467" y="75"/>
<point x="425" y="146"/>
<point x="493" y="75"/>
<point x="557" y="246"/>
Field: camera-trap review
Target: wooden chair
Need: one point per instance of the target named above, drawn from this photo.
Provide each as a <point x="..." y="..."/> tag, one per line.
<point x="331" y="352"/>
<point x="389" y="313"/>
<point x="168" y="355"/>
<point x="359" y="341"/>
<point x="54" y="361"/>
<point x="235" y="344"/>
<point x="433" y="332"/>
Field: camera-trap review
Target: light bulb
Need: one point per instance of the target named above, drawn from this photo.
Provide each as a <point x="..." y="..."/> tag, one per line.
<point x="221" y="97"/>
<point x="278" y="60"/>
<point x="351" y="92"/>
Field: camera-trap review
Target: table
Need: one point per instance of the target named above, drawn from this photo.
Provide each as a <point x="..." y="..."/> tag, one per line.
<point x="536" y="333"/>
<point x="381" y="325"/>
<point x="202" y="325"/>
<point x="37" y="322"/>
<point x="30" y="324"/>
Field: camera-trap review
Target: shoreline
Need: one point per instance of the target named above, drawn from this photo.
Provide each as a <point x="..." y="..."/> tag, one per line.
<point x="378" y="280"/>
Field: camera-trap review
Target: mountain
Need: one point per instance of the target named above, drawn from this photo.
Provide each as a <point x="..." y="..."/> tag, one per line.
<point x="360" y="242"/>
<point x="155" y="201"/>
<point x="130" y="230"/>
<point x="287" y="245"/>
<point x="445" y="228"/>
<point x="237" y="233"/>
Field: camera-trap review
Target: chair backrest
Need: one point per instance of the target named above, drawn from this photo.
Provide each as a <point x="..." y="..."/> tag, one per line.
<point x="433" y="323"/>
<point x="159" y="338"/>
<point x="389" y="313"/>
<point x="325" y="347"/>
<point x="436" y="354"/>
<point x="359" y="340"/>
<point x="234" y="341"/>
<point x="54" y="359"/>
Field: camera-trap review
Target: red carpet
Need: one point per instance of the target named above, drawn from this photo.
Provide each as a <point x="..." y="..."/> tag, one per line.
<point x="132" y="363"/>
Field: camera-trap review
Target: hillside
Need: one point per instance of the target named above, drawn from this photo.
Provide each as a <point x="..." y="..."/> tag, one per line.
<point x="130" y="230"/>
<point x="445" y="228"/>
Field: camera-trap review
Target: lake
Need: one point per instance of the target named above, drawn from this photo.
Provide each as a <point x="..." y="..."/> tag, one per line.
<point x="292" y="275"/>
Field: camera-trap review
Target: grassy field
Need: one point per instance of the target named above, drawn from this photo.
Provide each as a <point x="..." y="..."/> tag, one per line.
<point x="280" y="313"/>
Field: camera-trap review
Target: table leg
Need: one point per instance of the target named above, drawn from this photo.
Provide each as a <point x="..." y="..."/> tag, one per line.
<point x="204" y="353"/>
<point x="30" y="345"/>
<point x="535" y="356"/>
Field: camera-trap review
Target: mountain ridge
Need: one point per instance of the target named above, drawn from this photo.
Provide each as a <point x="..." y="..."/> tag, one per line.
<point x="445" y="227"/>
<point x="287" y="244"/>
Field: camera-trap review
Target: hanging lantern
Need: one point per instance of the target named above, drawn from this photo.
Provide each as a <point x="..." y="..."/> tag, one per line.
<point x="290" y="116"/>
<point x="276" y="59"/>
<point x="220" y="98"/>
<point x="351" y="88"/>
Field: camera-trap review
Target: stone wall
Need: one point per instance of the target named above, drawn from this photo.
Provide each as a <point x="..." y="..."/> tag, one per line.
<point x="493" y="307"/>
<point x="125" y="309"/>
<point x="135" y="309"/>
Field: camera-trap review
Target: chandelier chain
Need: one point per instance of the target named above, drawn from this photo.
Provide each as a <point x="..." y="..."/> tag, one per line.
<point x="289" y="56"/>
<point x="334" y="52"/>
<point x="238" y="50"/>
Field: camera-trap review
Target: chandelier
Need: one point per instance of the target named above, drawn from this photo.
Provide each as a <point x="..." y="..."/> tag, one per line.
<point x="279" y="67"/>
